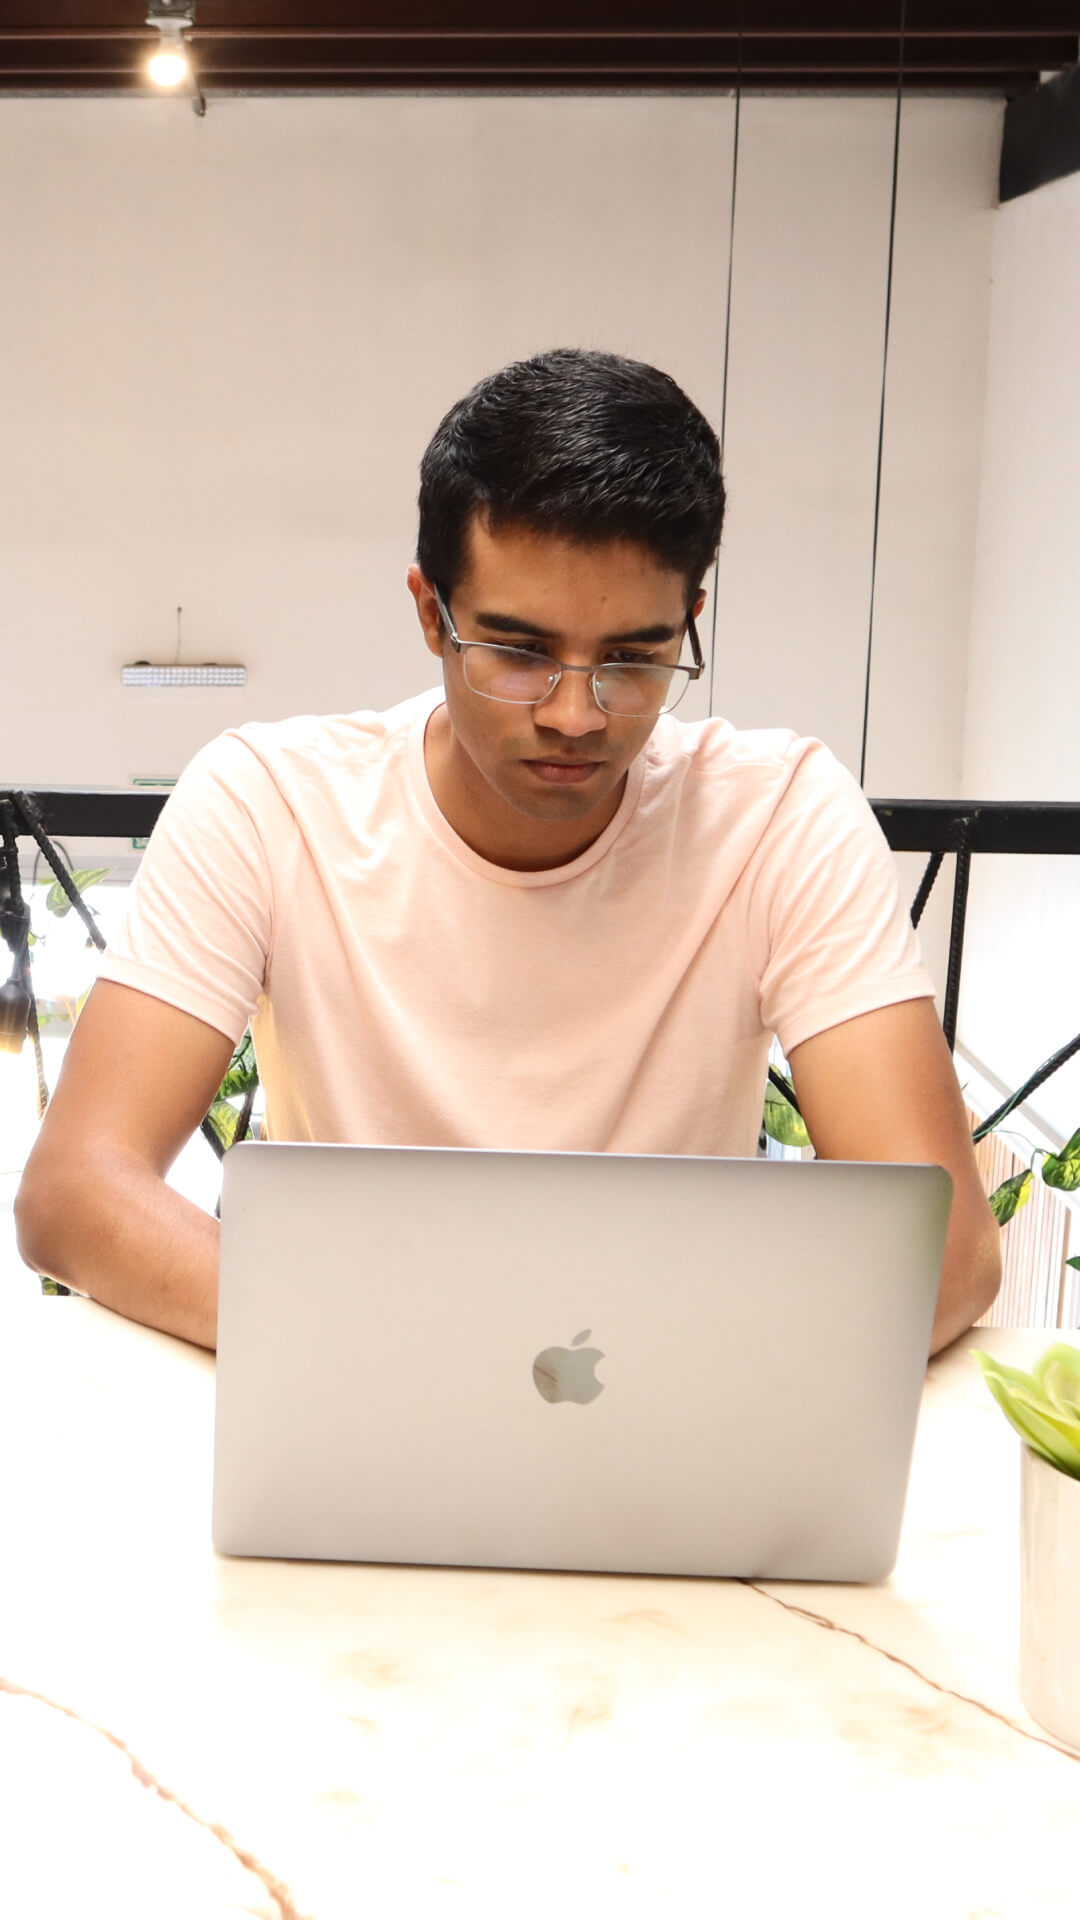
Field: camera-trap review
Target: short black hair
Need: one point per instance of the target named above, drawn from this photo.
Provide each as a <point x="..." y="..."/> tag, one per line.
<point x="585" y="445"/>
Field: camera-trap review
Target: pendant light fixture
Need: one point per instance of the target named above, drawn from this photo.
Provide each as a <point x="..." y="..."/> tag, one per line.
<point x="170" y="65"/>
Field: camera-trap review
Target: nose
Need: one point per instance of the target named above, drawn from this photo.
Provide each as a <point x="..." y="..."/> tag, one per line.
<point x="570" y="708"/>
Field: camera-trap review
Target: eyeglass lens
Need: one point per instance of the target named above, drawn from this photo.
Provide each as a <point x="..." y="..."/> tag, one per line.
<point x="501" y="673"/>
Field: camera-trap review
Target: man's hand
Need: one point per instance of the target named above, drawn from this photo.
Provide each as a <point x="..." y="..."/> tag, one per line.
<point x="93" y="1209"/>
<point x="883" y="1087"/>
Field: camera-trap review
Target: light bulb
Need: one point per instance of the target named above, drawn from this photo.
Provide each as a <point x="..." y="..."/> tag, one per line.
<point x="170" y="66"/>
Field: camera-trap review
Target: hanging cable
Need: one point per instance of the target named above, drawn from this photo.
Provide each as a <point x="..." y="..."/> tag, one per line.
<point x="884" y="371"/>
<point x="727" y="327"/>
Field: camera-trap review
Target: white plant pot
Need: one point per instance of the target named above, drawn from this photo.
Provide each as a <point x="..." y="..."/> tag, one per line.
<point x="1050" y="1597"/>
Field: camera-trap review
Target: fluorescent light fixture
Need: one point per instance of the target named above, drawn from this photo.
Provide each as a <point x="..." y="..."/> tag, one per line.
<point x="142" y="674"/>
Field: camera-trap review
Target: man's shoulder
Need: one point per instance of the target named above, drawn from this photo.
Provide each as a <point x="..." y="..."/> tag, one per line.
<point x="742" y="799"/>
<point x="736" y="764"/>
<point x="312" y="745"/>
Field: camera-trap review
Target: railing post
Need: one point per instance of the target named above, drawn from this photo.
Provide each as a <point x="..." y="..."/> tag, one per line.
<point x="962" y="829"/>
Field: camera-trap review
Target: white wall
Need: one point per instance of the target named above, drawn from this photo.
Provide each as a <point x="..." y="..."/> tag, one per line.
<point x="1021" y="998"/>
<point x="234" y="338"/>
<point x="803" y="408"/>
<point x="228" y="341"/>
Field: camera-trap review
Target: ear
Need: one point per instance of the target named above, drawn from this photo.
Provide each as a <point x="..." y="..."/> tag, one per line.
<point x="426" y="608"/>
<point x="699" y="603"/>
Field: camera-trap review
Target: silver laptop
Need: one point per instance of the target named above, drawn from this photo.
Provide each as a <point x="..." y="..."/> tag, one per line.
<point x="587" y="1361"/>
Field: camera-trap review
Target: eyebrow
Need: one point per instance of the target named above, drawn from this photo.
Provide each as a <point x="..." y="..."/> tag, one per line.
<point x="640" y="636"/>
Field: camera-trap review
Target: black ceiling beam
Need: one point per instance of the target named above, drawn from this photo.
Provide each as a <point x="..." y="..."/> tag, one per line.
<point x="507" y="80"/>
<point x="790" y="19"/>
<point x="98" y="46"/>
<point x="1041" y="137"/>
<point x="221" y="52"/>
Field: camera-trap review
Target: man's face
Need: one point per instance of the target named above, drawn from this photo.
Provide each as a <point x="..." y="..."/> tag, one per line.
<point x="563" y="761"/>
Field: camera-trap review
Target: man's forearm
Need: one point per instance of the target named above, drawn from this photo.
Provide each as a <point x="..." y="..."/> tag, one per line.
<point x="970" y="1278"/>
<point x="111" y="1228"/>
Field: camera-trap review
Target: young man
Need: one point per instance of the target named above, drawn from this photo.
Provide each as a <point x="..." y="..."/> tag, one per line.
<point x="528" y="909"/>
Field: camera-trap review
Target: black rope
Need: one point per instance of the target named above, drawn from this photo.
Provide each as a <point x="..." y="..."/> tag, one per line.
<point x="727" y="332"/>
<point x="884" y="371"/>
<point x="11" y="861"/>
<point x="244" y="1123"/>
<point x="25" y="808"/>
<point x="33" y="827"/>
<point x="64" y="855"/>
<point x="961" y="833"/>
<point x="926" y="887"/>
<point x="1017" y="1099"/>
<point x="20" y="915"/>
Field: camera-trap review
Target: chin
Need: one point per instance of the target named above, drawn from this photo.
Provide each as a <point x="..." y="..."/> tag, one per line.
<point x="560" y="803"/>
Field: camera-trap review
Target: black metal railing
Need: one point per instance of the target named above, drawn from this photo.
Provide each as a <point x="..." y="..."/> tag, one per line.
<point x="936" y="827"/>
<point x="965" y="828"/>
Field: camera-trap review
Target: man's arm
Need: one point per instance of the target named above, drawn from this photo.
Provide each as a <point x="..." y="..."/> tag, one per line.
<point x="883" y="1087"/>
<point x="93" y="1209"/>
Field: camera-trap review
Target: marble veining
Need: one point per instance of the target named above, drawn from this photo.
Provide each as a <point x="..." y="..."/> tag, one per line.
<point x="274" y="1887"/>
<point x="966" y="1699"/>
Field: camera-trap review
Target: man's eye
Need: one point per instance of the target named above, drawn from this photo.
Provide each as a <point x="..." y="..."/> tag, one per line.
<point x="625" y="658"/>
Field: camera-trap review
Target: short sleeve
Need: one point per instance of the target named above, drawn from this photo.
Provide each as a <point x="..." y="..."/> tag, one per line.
<point x="198" y="927"/>
<point x="831" y="936"/>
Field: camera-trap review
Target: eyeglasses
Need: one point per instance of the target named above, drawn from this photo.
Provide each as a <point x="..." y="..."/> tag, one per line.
<point x="639" y="689"/>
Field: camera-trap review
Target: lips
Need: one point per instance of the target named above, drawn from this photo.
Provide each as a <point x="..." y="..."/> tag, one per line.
<point x="563" y="772"/>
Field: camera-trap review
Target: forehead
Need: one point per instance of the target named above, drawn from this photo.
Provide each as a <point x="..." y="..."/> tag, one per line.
<point x="521" y="562"/>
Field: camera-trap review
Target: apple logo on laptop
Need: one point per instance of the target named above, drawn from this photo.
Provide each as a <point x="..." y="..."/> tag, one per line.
<point x="566" y="1373"/>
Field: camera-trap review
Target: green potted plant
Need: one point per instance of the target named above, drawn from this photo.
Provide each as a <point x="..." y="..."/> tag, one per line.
<point x="1044" y="1407"/>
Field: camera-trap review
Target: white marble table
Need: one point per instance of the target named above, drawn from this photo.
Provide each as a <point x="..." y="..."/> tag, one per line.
<point x="182" y="1734"/>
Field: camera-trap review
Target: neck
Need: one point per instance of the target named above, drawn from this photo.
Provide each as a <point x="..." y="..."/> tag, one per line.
<point x="492" y="829"/>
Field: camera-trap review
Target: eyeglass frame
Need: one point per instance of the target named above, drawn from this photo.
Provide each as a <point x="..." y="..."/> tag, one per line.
<point x="459" y="645"/>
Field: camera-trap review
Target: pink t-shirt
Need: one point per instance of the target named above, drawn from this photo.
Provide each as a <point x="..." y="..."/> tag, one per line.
<point x="402" y="990"/>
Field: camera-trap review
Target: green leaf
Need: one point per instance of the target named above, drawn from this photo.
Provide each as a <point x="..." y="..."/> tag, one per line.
<point x="1040" y="1424"/>
<point x="781" y="1120"/>
<point x="56" y="899"/>
<point x="1062" y="1170"/>
<point x="224" y="1120"/>
<point x="1057" y="1374"/>
<point x="1011" y="1196"/>
<point x="1074" y="1262"/>
<point x="242" y="1073"/>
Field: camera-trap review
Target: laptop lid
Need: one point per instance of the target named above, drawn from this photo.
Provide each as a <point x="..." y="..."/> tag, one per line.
<point x="584" y="1361"/>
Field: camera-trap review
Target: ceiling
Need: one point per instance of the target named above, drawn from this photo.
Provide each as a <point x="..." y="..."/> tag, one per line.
<point x="283" y="46"/>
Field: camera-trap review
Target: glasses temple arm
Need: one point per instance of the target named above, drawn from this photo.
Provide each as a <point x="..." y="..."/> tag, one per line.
<point x="699" y="658"/>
